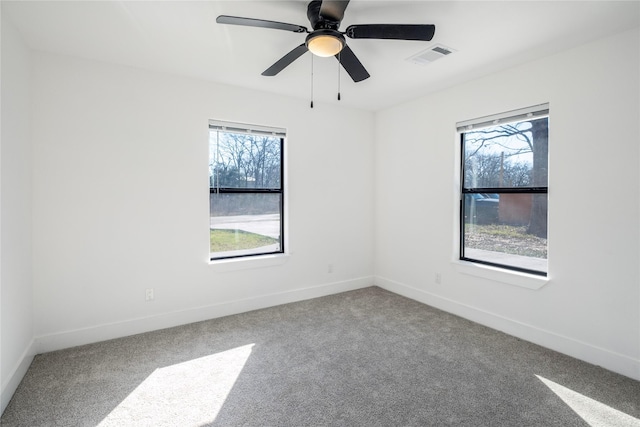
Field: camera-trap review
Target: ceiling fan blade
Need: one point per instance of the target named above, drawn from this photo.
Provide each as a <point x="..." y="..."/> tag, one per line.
<point x="352" y="64"/>
<point x="250" y="22"/>
<point x="391" y="31"/>
<point x="333" y="10"/>
<point x="283" y="62"/>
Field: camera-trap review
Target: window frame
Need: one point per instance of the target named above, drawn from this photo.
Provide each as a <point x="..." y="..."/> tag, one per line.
<point x="522" y="115"/>
<point x="239" y="128"/>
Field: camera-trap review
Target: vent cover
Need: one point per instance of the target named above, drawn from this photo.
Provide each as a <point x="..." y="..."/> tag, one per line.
<point x="430" y="54"/>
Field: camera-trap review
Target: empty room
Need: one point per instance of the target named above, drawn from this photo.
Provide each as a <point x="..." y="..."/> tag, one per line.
<point x="307" y="213"/>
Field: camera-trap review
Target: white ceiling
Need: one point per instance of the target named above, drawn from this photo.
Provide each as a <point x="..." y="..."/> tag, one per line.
<point x="182" y="38"/>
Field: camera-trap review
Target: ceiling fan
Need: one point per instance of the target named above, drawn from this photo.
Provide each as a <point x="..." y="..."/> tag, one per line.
<point x="326" y="40"/>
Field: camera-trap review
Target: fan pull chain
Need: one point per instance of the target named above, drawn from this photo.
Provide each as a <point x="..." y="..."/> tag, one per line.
<point x="339" y="66"/>
<point x="311" y="80"/>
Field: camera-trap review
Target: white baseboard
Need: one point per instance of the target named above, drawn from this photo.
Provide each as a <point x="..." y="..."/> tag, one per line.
<point x="607" y="359"/>
<point x="10" y="385"/>
<point x="67" y="339"/>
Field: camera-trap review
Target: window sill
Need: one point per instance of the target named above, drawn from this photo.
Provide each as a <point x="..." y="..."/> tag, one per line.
<point x="247" y="263"/>
<point x="515" y="278"/>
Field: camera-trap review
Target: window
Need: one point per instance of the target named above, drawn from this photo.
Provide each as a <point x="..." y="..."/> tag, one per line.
<point x="503" y="204"/>
<point x="246" y="196"/>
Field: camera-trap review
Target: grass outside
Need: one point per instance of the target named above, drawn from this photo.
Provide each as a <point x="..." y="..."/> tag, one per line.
<point x="506" y="239"/>
<point x="231" y="240"/>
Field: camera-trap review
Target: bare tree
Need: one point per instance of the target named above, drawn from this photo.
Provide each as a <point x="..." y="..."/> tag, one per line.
<point x="540" y="147"/>
<point x="485" y="170"/>
<point x="246" y="161"/>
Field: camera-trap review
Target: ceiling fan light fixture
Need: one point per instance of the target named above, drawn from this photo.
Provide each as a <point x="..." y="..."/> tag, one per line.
<point x="325" y="43"/>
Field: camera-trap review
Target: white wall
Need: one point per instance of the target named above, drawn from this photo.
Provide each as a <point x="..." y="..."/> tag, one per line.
<point x="121" y="201"/>
<point x="16" y="297"/>
<point x="590" y="306"/>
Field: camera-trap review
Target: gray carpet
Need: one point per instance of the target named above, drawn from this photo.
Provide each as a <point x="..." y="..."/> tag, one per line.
<point x="361" y="358"/>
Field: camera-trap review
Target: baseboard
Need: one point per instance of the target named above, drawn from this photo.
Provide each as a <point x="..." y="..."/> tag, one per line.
<point x="607" y="359"/>
<point x="73" y="338"/>
<point x="10" y="385"/>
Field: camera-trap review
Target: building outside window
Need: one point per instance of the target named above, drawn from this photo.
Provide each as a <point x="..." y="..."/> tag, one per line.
<point x="504" y="176"/>
<point x="246" y="194"/>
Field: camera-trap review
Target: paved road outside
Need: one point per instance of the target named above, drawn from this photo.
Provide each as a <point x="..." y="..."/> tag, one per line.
<point x="267" y="225"/>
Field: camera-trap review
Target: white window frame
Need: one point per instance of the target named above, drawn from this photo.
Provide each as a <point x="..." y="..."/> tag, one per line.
<point x="525" y="277"/>
<point x="259" y="259"/>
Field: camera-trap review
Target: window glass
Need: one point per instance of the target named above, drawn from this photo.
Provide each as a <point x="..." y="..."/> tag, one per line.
<point x="498" y="231"/>
<point x="245" y="160"/>
<point x="245" y="224"/>
<point x="502" y="156"/>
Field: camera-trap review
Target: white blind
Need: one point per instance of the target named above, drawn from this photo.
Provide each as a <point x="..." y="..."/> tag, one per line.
<point x="244" y="128"/>
<point x="536" y="111"/>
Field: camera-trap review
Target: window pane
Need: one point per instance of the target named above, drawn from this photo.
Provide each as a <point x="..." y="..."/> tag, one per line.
<point x="238" y="160"/>
<point x="509" y="155"/>
<point x="507" y="229"/>
<point x="245" y="224"/>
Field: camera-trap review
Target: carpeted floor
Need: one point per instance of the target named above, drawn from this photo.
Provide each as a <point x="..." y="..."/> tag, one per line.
<point x="361" y="358"/>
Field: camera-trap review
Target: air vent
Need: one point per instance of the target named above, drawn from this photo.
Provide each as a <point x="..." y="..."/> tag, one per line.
<point x="430" y="54"/>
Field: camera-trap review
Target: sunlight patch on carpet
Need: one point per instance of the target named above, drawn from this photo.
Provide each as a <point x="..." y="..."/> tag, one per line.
<point x="595" y="414"/>
<point x="185" y="394"/>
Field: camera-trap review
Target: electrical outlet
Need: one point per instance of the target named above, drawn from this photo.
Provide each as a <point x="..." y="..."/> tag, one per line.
<point x="330" y="268"/>
<point x="438" y="278"/>
<point x="149" y="294"/>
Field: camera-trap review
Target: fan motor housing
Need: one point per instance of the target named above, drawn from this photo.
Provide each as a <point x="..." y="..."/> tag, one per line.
<point x="316" y="20"/>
